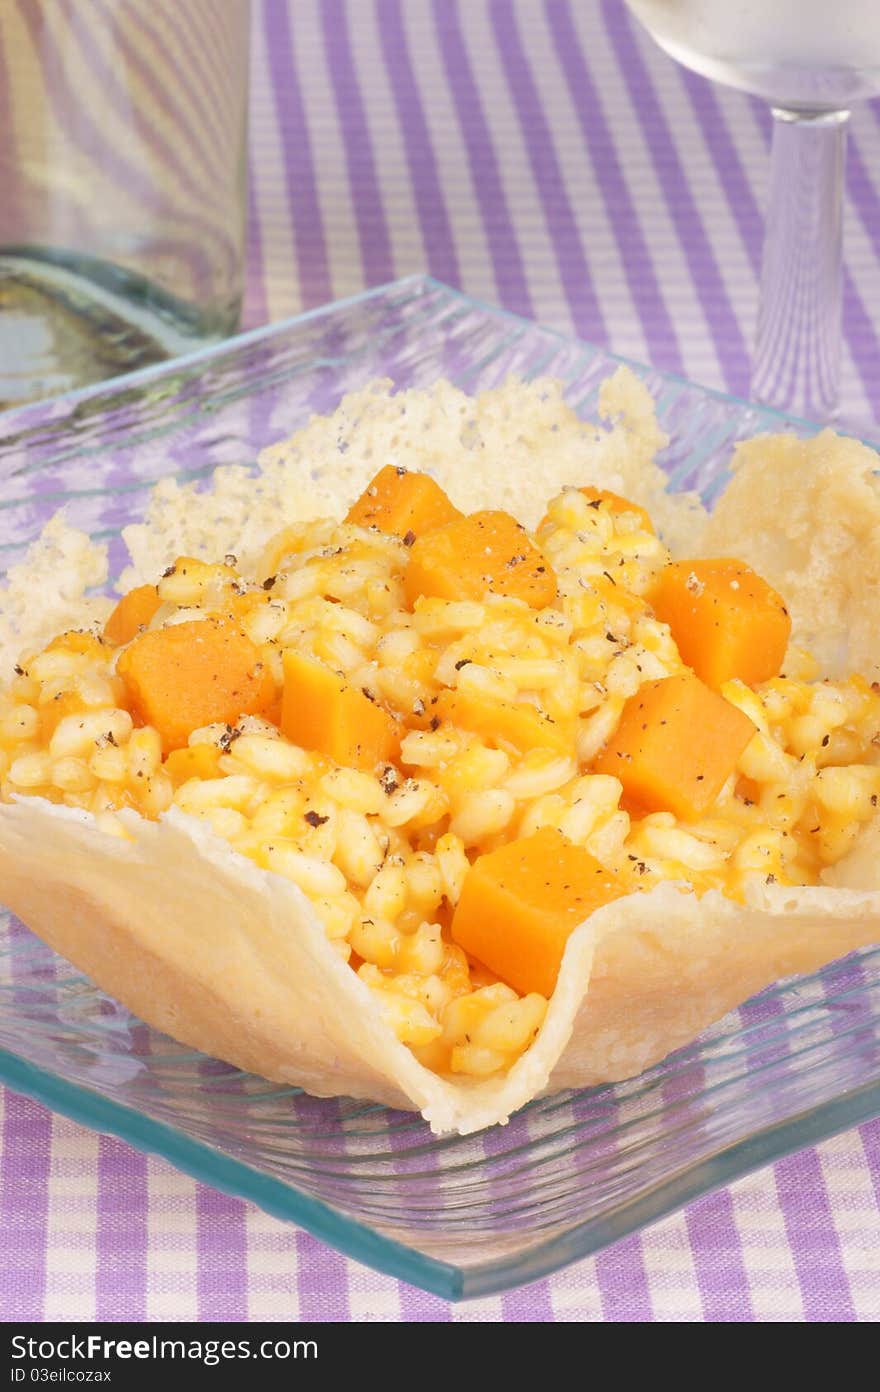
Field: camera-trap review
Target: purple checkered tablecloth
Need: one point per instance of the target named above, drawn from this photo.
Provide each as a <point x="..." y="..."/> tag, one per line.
<point x="542" y="155"/>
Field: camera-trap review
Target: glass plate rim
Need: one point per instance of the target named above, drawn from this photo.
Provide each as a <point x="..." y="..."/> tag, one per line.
<point x="285" y="1201"/>
<point x="264" y="332"/>
<point x="384" y="1254"/>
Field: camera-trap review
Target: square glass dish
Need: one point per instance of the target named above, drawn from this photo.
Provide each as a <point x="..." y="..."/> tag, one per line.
<point x="570" y="1173"/>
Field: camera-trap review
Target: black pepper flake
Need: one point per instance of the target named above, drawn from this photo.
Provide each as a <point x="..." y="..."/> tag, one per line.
<point x="873" y="799"/>
<point x="228" y="738"/>
<point x="814" y="829"/>
<point x="595" y="503"/>
<point x="610" y="577"/>
<point x="610" y="637"/>
<point x="749" y="802"/>
<point x="701" y="777"/>
<point x="409" y="538"/>
<point x="399" y="470"/>
<point x="315" y="819"/>
<point x="771" y="879"/>
<point x="418" y="706"/>
<point x="435" y="722"/>
<point x="388" y="779"/>
<point x="230" y="559"/>
<point x="462" y="662"/>
<point x="368" y="693"/>
<point x="19" y="671"/>
<point x="111" y="738"/>
<point x="826" y="740"/>
<point x="270" y="582"/>
<point x="170" y="570"/>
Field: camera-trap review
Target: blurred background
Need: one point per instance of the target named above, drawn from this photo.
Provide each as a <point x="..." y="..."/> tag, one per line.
<point x="543" y="155"/>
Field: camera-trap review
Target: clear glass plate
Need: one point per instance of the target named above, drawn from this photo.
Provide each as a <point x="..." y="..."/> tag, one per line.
<point x="570" y="1173"/>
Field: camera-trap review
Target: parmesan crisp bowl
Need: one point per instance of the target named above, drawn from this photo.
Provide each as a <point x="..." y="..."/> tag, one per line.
<point x="570" y="1173"/>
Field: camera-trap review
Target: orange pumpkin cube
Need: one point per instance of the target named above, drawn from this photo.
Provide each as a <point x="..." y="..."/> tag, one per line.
<point x="508" y="724"/>
<point x="519" y="905"/>
<point x="676" y="745"/>
<point x="726" y="621"/>
<point x="132" y="613"/>
<point x="192" y="674"/>
<point x="403" y="503"/>
<point x="322" y="711"/>
<point x="482" y="554"/>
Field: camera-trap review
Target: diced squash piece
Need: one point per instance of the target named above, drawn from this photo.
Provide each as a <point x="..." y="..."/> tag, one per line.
<point x="676" y="745"/>
<point x="615" y="503"/>
<point x="510" y="724"/>
<point x="272" y="713"/>
<point x="132" y="613"/>
<point x="403" y="503"/>
<point x="484" y="553"/>
<point x="322" y="711"/>
<point x="726" y="621"/>
<point x="196" y="761"/>
<point x="519" y="905"/>
<point x="192" y="674"/>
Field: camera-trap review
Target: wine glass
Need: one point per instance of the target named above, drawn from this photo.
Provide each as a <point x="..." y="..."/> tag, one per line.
<point x="810" y="60"/>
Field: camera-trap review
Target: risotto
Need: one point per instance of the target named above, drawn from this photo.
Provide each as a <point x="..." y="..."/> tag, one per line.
<point x="457" y="736"/>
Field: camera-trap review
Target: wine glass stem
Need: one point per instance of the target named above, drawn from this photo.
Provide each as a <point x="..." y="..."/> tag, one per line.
<point x="797" y="353"/>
